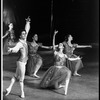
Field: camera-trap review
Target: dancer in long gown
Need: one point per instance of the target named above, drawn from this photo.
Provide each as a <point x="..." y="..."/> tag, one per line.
<point x="58" y="75"/>
<point x="69" y="48"/>
<point x="21" y="62"/>
<point x="34" y="59"/>
<point x="9" y="39"/>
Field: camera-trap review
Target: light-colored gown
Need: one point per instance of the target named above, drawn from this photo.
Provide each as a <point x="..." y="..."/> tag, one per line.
<point x="56" y="74"/>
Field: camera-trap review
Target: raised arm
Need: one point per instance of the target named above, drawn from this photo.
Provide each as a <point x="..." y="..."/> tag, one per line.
<point x="54" y="46"/>
<point x="27" y="26"/>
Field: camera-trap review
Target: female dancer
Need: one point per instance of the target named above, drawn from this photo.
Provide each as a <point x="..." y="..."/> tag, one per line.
<point x="9" y="38"/>
<point x="21" y="62"/>
<point x="69" y="48"/>
<point x="34" y="60"/>
<point x="58" y="75"/>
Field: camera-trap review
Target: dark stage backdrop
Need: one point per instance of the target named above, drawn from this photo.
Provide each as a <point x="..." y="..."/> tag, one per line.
<point x="77" y="17"/>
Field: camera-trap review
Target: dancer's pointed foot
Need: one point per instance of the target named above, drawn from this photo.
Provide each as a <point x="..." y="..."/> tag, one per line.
<point x="65" y="93"/>
<point x="34" y="75"/>
<point x="76" y="74"/>
<point x="61" y="86"/>
<point x="7" y="91"/>
<point x="23" y="95"/>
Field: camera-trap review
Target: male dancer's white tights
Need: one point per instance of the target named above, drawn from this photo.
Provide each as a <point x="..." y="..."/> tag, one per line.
<point x="20" y="74"/>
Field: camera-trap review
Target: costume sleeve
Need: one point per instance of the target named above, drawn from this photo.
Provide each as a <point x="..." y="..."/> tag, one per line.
<point x="75" y="45"/>
<point x="17" y="47"/>
<point x="40" y="44"/>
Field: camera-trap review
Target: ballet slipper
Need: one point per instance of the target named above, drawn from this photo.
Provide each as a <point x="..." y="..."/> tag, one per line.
<point x="7" y="92"/>
<point x="34" y="75"/>
<point x="76" y="74"/>
<point x="22" y="95"/>
<point x="61" y="86"/>
<point x="65" y="93"/>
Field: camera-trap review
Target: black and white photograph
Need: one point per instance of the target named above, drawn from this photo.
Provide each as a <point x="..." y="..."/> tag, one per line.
<point x="49" y="49"/>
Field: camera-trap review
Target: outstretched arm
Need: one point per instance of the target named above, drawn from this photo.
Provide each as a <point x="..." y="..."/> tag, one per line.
<point x="46" y="47"/>
<point x="84" y="46"/>
<point x="27" y="26"/>
<point x="6" y="34"/>
<point x="73" y="59"/>
<point x="16" y="48"/>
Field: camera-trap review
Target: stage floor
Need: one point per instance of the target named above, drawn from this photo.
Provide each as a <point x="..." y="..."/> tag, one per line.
<point x="85" y="87"/>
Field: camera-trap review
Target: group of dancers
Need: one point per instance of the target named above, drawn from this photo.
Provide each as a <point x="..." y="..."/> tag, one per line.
<point x="58" y="75"/>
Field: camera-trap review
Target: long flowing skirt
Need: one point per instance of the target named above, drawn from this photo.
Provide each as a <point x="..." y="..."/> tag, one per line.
<point x="32" y="62"/>
<point x="53" y="77"/>
<point x="71" y="64"/>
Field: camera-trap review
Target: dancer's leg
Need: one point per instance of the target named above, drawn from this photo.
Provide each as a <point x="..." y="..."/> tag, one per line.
<point x="77" y="68"/>
<point x="67" y="81"/>
<point x="22" y="76"/>
<point x="10" y="86"/>
<point x="22" y="89"/>
<point x="38" y="65"/>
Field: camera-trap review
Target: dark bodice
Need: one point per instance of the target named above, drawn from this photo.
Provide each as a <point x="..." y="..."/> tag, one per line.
<point x="60" y="61"/>
<point x="32" y="49"/>
<point x="68" y="49"/>
<point x="10" y="33"/>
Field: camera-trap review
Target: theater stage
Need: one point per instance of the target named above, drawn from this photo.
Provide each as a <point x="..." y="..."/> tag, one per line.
<point x="85" y="87"/>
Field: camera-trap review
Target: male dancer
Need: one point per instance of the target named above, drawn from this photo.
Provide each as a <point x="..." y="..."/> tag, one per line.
<point x="21" y="62"/>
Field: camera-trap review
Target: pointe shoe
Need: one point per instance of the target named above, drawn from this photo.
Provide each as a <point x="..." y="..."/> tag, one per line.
<point x="7" y="92"/>
<point x="65" y="93"/>
<point x="34" y="75"/>
<point x="61" y="86"/>
<point x="76" y="74"/>
<point x="23" y="95"/>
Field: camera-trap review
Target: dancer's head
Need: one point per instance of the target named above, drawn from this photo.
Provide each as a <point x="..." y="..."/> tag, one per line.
<point x="23" y="35"/>
<point x="60" y="46"/>
<point x="35" y="37"/>
<point x="11" y="25"/>
<point x="69" y="37"/>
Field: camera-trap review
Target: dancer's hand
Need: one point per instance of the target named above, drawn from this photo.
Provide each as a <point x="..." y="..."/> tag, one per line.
<point x="78" y="58"/>
<point x="40" y="44"/>
<point x="75" y="45"/>
<point x="51" y="47"/>
<point x="28" y="19"/>
<point x="9" y="50"/>
<point x="56" y="32"/>
<point x="90" y="46"/>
